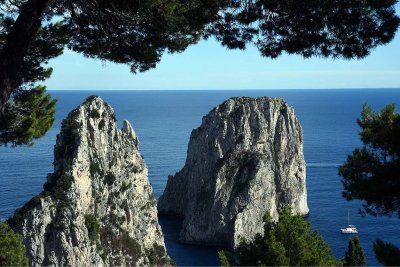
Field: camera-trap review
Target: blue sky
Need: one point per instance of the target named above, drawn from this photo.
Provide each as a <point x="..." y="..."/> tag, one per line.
<point x="208" y="65"/>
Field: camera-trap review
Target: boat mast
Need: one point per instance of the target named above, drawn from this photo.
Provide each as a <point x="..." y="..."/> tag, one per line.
<point x="348" y="217"/>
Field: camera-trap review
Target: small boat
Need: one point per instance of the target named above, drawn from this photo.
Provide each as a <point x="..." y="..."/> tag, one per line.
<point x="350" y="229"/>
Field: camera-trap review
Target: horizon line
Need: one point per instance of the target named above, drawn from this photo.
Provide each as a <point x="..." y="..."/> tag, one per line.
<point x="233" y="89"/>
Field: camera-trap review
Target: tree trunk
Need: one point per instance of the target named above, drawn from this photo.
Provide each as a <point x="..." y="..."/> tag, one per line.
<point x="16" y="47"/>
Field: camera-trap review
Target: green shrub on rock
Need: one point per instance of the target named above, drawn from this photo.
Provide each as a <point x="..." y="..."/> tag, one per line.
<point x="92" y="226"/>
<point x="12" y="250"/>
<point x="109" y="179"/>
<point x="288" y="242"/>
<point x="94" y="113"/>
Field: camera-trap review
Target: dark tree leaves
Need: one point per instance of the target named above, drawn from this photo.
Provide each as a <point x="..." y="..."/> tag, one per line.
<point x="48" y="43"/>
<point x="138" y="33"/>
<point x="386" y="253"/>
<point x="29" y="113"/>
<point x="288" y="242"/>
<point x="12" y="249"/>
<point x="334" y="28"/>
<point x="355" y="254"/>
<point x="372" y="173"/>
<point x="28" y="116"/>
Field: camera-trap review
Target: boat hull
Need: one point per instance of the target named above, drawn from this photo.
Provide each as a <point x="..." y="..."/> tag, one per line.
<point x="349" y="231"/>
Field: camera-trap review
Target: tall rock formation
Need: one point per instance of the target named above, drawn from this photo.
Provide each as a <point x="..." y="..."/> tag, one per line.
<point x="244" y="160"/>
<point x="97" y="207"/>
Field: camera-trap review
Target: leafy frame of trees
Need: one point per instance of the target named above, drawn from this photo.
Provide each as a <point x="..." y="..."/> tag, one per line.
<point x="138" y="33"/>
<point x="372" y="173"/>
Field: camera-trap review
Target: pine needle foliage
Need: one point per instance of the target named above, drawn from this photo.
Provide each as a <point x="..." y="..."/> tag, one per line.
<point x="28" y="116"/>
<point x="372" y="172"/>
<point x="12" y="250"/>
<point x="139" y="33"/>
<point x="288" y="242"/>
<point x="387" y="253"/>
<point x="355" y="254"/>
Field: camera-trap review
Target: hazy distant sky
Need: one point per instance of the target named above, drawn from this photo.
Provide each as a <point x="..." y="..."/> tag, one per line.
<point x="208" y="65"/>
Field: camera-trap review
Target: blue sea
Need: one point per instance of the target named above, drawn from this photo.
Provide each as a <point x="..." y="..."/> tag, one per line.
<point x="163" y="121"/>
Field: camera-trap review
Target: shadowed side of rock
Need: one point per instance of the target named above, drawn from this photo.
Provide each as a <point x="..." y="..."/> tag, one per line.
<point x="245" y="160"/>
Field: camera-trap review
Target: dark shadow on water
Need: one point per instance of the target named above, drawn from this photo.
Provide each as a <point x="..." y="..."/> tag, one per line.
<point x="185" y="254"/>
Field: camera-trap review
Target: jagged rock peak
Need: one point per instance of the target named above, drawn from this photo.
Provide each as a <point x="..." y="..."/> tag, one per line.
<point x="97" y="207"/>
<point x="245" y="160"/>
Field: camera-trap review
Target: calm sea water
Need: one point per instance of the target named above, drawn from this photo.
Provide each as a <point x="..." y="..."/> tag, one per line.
<point x="163" y="121"/>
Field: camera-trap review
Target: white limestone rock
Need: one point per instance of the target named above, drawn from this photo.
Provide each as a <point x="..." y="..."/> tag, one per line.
<point x="245" y="160"/>
<point x="97" y="207"/>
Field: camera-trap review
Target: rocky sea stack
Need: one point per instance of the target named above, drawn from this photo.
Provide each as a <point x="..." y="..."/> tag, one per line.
<point x="245" y="160"/>
<point x="97" y="207"/>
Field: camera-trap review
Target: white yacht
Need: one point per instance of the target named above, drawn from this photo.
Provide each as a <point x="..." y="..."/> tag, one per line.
<point x="350" y="229"/>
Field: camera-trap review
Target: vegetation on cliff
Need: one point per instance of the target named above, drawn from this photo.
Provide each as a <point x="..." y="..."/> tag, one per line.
<point x="287" y="242"/>
<point x="12" y="250"/>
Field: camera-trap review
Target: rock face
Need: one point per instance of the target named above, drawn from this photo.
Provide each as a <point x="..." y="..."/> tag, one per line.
<point x="97" y="207"/>
<point x="244" y="160"/>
